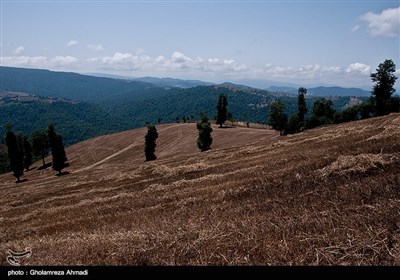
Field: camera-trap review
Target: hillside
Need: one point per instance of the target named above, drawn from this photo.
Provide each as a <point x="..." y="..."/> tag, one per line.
<point x="321" y="197"/>
<point x="73" y="86"/>
<point x="76" y="121"/>
<point x="170" y="82"/>
<point x="89" y="106"/>
<point x="325" y="91"/>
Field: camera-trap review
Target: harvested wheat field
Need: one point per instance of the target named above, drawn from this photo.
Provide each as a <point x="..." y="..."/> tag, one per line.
<point x="328" y="196"/>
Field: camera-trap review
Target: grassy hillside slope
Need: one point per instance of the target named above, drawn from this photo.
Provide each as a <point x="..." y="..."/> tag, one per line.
<point x="325" y="196"/>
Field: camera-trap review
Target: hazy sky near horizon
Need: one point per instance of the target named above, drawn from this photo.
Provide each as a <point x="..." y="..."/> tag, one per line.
<point x="302" y="42"/>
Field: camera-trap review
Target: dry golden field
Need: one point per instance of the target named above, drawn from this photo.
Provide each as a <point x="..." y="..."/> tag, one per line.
<point x="328" y="196"/>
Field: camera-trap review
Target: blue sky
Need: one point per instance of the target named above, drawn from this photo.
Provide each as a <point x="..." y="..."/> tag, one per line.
<point x="301" y="42"/>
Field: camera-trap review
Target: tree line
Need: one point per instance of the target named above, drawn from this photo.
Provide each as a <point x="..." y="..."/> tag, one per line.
<point x="381" y="102"/>
<point x="21" y="151"/>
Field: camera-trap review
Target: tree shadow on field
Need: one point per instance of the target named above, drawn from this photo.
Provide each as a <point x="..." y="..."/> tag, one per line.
<point x="21" y="181"/>
<point x="227" y="126"/>
<point x="47" y="165"/>
<point x="63" y="173"/>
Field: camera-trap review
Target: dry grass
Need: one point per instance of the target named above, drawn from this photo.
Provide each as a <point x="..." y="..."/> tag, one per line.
<point x="328" y="196"/>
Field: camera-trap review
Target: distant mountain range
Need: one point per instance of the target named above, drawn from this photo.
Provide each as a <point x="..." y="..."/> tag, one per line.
<point x="160" y="82"/>
<point x="170" y="82"/>
<point x="324" y="91"/>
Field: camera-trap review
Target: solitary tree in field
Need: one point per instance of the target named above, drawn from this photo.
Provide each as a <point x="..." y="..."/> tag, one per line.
<point x="15" y="154"/>
<point x="27" y="152"/>
<point x="302" y="106"/>
<point x="222" y="113"/>
<point x="383" y="89"/>
<point x="51" y="134"/>
<point x="204" y="140"/>
<point x="40" y="144"/>
<point x="58" y="153"/>
<point x="277" y="117"/>
<point x="150" y="142"/>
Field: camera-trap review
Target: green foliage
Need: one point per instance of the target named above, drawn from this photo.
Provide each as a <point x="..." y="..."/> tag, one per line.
<point x="322" y="113"/>
<point x="293" y="124"/>
<point x="277" y="117"/>
<point x="204" y="140"/>
<point x="40" y="144"/>
<point x="384" y="79"/>
<point x="347" y="115"/>
<point x="51" y="134"/>
<point x="4" y="161"/>
<point x="150" y="142"/>
<point x="302" y="106"/>
<point x="58" y="153"/>
<point x="76" y="122"/>
<point x="222" y="109"/>
<point x="27" y="152"/>
<point x="15" y="155"/>
<point x="366" y="109"/>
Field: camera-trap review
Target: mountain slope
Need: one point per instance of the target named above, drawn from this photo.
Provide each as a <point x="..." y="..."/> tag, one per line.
<point x="76" y="121"/>
<point x="170" y="82"/>
<point x="338" y="91"/>
<point x="323" y="196"/>
<point x="72" y="85"/>
<point x="325" y="91"/>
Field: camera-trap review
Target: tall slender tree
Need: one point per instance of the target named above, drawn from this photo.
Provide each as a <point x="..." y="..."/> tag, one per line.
<point x="204" y="140"/>
<point x="150" y="142"/>
<point x="384" y="79"/>
<point x="40" y="144"/>
<point x="58" y="153"/>
<point x="222" y="110"/>
<point x="15" y="154"/>
<point x="51" y="134"/>
<point x="27" y="152"/>
<point x="277" y="117"/>
<point x="301" y="105"/>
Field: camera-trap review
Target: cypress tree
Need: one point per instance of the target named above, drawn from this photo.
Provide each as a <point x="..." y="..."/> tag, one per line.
<point x="40" y="144"/>
<point x="222" y="109"/>
<point x="150" y="142"/>
<point x="384" y="79"/>
<point x="15" y="154"/>
<point x="27" y="152"/>
<point x="51" y="134"/>
<point x="58" y="153"/>
<point x="277" y="117"/>
<point x="302" y="106"/>
<point x="204" y="140"/>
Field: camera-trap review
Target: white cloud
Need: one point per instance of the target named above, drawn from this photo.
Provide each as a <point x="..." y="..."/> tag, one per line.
<point x="385" y="24"/>
<point x="19" y="50"/>
<point x="355" y="28"/>
<point x="57" y="62"/>
<point x="63" y="60"/>
<point x="96" y="48"/>
<point x="359" y="67"/>
<point x="182" y="66"/>
<point x="178" y="57"/>
<point x="72" y="43"/>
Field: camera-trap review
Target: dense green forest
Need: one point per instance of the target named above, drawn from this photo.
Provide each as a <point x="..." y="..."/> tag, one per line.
<point x="76" y="122"/>
<point x="245" y="104"/>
